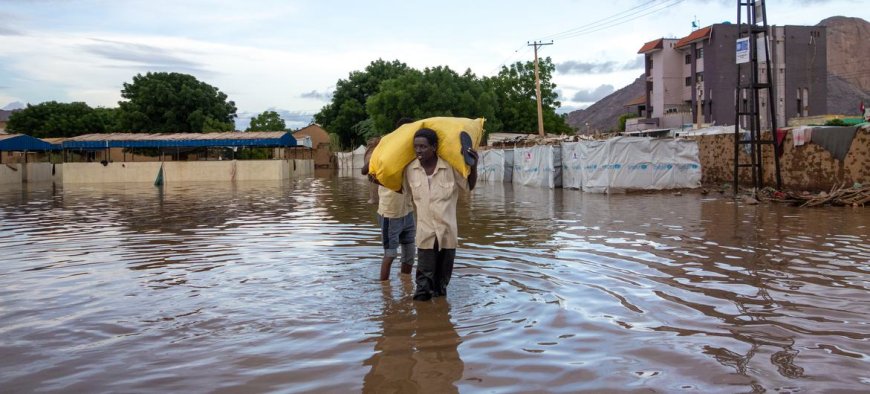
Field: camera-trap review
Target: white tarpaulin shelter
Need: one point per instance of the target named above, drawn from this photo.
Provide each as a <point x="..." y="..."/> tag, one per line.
<point x="539" y="165"/>
<point x="574" y="157"/>
<point x="496" y="165"/>
<point x="635" y="163"/>
<point x="344" y="159"/>
<point x="359" y="157"/>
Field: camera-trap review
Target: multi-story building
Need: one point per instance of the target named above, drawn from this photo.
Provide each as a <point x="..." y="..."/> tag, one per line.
<point x="698" y="75"/>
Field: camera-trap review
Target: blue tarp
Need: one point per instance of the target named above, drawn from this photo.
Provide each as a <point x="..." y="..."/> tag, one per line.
<point x="22" y="142"/>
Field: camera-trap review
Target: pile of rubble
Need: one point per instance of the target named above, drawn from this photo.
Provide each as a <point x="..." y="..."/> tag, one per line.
<point x="854" y="196"/>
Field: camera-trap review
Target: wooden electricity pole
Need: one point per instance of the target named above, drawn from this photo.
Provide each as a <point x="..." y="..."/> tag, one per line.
<point x="537" y="44"/>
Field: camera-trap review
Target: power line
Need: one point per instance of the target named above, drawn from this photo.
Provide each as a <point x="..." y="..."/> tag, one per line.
<point x="621" y="20"/>
<point x="602" y="21"/>
<point x="509" y="57"/>
<point x="602" y="24"/>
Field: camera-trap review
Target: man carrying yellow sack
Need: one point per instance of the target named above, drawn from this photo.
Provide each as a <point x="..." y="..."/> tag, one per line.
<point x="435" y="187"/>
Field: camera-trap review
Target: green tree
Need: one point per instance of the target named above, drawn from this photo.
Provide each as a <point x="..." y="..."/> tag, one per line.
<point x="174" y="102"/>
<point x="348" y="107"/>
<point x="267" y="121"/>
<point x="517" y="104"/>
<point x="437" y="91"/>
<point x="53" y="119"/>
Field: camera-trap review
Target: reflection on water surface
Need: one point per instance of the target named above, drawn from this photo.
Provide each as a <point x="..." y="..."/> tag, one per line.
<point x="265" y="286"/>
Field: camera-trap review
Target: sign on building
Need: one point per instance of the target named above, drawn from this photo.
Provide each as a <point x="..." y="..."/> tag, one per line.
<point x="742" y="50"/>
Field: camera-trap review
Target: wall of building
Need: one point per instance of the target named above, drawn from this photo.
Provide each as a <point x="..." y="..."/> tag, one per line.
<point x="805" y="167"/>
<point x="667" y="78"/>
<point x="720" y="75"/>
<point x="806" y="67"/>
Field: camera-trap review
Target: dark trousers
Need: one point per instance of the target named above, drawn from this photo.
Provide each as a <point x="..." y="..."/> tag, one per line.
<point x="434" y="268"/>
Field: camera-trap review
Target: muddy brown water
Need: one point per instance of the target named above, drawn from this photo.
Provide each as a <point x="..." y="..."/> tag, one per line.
<point x="271" y="287"/>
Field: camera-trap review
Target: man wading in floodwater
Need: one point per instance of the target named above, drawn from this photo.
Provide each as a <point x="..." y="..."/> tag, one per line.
<point x="435" y="187"/>
<point x="396" y="218"/>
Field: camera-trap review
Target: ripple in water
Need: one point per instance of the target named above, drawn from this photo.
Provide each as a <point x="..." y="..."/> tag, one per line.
<point x="272" y="287"/>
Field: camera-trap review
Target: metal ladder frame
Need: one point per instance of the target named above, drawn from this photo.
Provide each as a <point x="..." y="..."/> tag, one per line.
<point x="751" y="113"/>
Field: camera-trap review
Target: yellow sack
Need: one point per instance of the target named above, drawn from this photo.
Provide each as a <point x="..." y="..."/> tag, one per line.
<point x="396" y="150"/>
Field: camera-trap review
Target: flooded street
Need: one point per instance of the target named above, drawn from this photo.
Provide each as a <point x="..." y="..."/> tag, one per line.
<point x="253" y="287"/>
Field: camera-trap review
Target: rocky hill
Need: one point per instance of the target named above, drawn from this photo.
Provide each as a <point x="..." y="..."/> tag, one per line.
<point x="848" y="43"/>
<point x="604" y="114"/>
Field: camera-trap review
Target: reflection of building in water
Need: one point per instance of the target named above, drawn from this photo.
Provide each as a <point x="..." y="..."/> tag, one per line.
<point x="417" y="350"/>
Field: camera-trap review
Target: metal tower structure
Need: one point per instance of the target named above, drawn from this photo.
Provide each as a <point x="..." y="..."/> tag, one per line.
<point x="753" y="42"/>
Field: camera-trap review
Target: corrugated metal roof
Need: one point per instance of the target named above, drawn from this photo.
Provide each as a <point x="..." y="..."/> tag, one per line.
<point x="639" y="100"/>
<point x="696" y="35"/>
<point x="22" y="142"/>
<point x="650" y="46"/>
<point x="171" y="140"/>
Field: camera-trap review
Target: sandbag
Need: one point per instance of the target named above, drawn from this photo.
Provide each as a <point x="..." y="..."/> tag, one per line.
<point x="396" y="149"/>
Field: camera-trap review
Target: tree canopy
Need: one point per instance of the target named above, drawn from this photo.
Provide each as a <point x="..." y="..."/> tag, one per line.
<point x="369" y="102"/>
<point x="54" y="119"/>
<point x="174" y="102"/>
<point x="348" y="107"/>
<point x="267" y="121"/>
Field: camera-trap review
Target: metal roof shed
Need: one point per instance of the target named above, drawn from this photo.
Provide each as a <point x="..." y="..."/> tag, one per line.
<point x="23" y="143"/>
<point x="181" y="140"/>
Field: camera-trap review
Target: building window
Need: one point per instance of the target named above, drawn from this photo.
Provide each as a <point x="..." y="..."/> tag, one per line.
<point x="699" y="53"/>
<point x="688" y="81"/>
<point x="800" y="105"/>
<point x="699" y="77"/>
<point x="688" y="59"/>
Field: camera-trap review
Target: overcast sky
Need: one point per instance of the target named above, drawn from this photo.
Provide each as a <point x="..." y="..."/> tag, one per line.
<point x="287" y="55"/>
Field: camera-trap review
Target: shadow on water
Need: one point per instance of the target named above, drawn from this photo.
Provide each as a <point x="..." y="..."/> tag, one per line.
<point x="417" y="350"/>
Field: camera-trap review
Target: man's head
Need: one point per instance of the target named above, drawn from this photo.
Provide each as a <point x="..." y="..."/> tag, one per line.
<point x="425" y="145"/>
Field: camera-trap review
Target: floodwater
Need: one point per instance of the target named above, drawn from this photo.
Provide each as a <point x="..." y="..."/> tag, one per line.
<point x="255" y="287"/>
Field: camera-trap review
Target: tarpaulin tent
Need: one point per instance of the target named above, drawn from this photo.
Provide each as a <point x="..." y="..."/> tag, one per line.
<point x="344" y="160"/>
<point x="636" y="163"/>
<point x="539" y="165"/>
<point x="359" y="157"/>
<point x="496" y="165"/>
<point x="575" y="156"/>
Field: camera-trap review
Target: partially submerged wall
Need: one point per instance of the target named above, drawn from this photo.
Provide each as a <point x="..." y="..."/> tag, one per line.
<point x="10" y="174"/>
<point x="182" y="171"/>
<point x="805" y="167"/>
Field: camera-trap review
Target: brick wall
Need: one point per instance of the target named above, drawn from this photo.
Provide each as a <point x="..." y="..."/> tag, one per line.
<point x="806" y="167"/>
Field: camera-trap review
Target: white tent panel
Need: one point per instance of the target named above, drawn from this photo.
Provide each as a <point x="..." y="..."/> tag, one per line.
<point x="630" y="162"/>
<point x="539" y="165"/>
<point x="574" y="156"/>
<point x="492" y="166"/>
<point x="595" y="177"/>
<point x="636" y="163"/>
<point x="344" y="159"/>
<point x="359" y="157"/>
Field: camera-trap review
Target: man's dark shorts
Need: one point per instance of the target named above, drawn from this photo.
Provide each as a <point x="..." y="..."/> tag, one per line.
<point x="396" y="232"/>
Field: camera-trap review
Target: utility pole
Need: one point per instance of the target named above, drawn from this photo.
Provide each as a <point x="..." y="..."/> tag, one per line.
<point x="537" y="44"/>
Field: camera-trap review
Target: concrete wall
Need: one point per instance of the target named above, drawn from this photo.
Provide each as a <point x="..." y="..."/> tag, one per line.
<point x="10" y="174"/>
<point x="806" y="167"/>
<point x="111" y="173"/>
<point x="42" y="172"/>
<point x="181" y="171"/>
